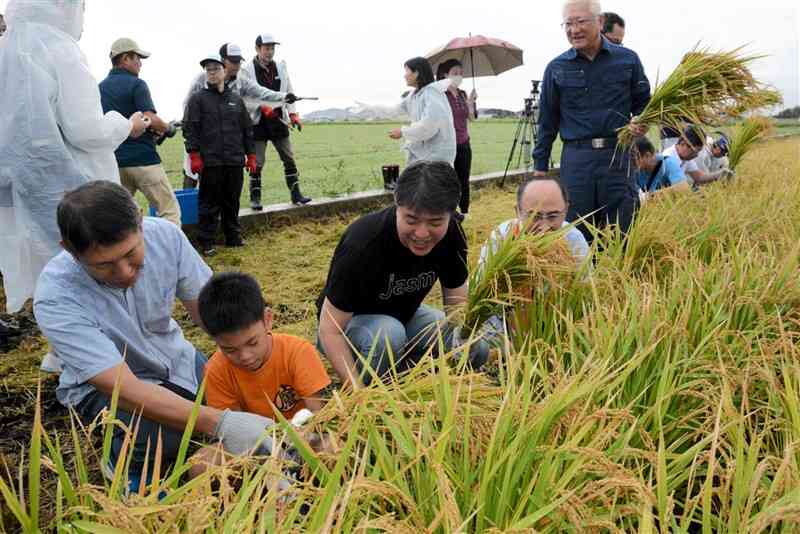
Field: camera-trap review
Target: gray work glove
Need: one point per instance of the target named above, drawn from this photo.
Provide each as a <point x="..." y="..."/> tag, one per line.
<point x="241" y="431"/>
<point x="478" y="350"/>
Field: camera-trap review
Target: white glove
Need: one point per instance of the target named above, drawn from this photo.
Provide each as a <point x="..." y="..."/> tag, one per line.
<point x="642" y="197"/>
<point x="301" y="417"/>
<point x="240" y="432"/>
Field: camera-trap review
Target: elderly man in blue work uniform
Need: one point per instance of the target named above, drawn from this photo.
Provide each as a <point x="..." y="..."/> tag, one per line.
<point x="588" y="93"/>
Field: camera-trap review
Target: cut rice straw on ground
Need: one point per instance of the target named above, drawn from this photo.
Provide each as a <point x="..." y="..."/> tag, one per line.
<point x="705" y="88"/>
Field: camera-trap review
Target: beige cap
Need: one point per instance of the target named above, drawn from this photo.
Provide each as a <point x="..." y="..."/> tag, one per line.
<point x="126" y="44"/>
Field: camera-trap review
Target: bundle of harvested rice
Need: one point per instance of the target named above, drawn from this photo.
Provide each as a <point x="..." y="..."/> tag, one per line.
<point x="516" y="269"/>
<point x="745" y="135"/>
<point x="705" y="88"/>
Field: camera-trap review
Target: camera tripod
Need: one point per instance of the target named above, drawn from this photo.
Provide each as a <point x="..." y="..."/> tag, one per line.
<point x="525" y="134"/>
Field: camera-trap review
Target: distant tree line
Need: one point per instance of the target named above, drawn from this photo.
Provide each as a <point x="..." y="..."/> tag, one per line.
<point x="789" y="113"/>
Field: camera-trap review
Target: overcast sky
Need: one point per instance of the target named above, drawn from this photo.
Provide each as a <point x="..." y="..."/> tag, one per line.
<point x="354" y="50"/>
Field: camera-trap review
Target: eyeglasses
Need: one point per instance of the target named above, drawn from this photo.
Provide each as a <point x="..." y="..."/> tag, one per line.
<point x="569" y="24"/>
<point x="549" y="217"/>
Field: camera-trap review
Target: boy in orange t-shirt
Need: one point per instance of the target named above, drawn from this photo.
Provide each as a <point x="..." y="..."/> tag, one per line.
<point x="254" y="369"/>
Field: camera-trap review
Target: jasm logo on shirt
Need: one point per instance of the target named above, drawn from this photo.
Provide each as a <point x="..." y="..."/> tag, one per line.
<point x="401" y="286"/>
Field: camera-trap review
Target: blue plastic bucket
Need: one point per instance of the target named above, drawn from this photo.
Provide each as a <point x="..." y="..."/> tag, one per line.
<point x="187" y="200"/>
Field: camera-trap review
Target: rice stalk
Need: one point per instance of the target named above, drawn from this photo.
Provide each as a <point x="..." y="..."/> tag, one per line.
<point x="745" y="135"/>
<point x="706" y="88"/>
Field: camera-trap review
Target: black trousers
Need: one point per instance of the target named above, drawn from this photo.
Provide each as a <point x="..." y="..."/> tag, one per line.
<point x="220" y="189"/>
<point x="463" y="166"/>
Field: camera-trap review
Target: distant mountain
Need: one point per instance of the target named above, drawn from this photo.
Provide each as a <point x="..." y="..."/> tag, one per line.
<point x="494" y="113"/>
<point x="358" y="112"/>
<point x="367" y="113"/>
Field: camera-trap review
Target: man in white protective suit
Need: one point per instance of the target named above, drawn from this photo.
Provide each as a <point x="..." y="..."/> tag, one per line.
<point x="53" y="134"/>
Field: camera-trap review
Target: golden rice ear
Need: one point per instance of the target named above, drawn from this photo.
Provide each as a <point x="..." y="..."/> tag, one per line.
<point x="707" y="88"/>
<point x="745" y="135"/>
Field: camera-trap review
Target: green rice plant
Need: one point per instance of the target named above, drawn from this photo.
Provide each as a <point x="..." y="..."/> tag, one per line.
<point x="519" y="269"/>
<point x="705" y="88"/>
<point x="745" y="134"/>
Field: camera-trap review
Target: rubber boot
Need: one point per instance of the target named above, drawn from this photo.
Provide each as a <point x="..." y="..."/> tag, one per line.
<point x="294" y="188"/>
<point x="255" y="190"/>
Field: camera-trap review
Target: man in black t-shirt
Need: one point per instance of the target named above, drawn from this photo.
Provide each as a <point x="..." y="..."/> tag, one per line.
<point x="385" y="265"/>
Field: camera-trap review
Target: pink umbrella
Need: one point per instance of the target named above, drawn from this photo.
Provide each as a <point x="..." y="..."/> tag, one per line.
<point x="480" y="55"/>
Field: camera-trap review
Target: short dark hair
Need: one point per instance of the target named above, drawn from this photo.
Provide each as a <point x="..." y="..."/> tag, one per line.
<point x="230" y="302"/>
<point x="693" y="135"/>
<point x="642" y="145"/>
<point x="445" y="67"/>
<point x="528" y="181"/>
<point x="116" y="61"/>
<point x="422" y="67"/>
<point x="609" y="19"/>
<point x="97" y="213"/>
<point x="429" y="186"/>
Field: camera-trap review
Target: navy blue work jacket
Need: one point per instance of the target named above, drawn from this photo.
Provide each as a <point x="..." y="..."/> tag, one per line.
<point x="584" y="99"/>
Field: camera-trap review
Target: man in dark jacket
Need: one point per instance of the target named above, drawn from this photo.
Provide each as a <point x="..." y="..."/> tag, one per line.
<point x="219" y="139"/>
<point x="273" y="125"/>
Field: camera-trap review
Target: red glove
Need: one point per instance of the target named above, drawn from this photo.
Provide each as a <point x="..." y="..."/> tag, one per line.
<point x="268" y="112"/>
<point x="196" y="162"/>
<point x="295" y="119"/>
<point x="251" y="163"/>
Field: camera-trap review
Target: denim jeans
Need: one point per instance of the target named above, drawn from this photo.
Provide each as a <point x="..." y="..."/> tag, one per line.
<point x="90" y="407"/>
<point x="382" y="340"/>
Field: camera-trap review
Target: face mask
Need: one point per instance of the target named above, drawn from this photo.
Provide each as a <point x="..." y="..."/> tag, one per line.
<point x="455" y="81"/>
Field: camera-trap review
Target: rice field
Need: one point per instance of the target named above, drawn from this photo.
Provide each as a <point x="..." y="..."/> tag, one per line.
<point x="661" y="394"/>
<point x="340" y="158"/>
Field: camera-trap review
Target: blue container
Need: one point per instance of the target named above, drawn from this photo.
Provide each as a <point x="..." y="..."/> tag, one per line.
<point x="187" y="200"/>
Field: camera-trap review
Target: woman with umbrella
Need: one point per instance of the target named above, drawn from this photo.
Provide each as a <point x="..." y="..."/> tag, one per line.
<point x="431" y="135"/>
<point x="463" y="108"/>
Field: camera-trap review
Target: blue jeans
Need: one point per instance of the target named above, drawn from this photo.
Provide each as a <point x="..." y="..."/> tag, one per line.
<point x="382" y="340"/>
<point x="96" y="402"/>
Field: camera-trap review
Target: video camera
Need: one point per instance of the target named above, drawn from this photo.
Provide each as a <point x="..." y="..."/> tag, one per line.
<point x="169" y="133"/>
<point x="532" y="102"/>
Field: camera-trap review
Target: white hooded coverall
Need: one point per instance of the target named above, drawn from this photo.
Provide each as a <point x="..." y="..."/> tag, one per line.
<point x="53" y="134"/>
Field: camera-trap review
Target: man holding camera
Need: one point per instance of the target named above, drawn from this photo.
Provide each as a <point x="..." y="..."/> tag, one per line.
<point x="139" y="164"/>
<point x="588" y="93"/>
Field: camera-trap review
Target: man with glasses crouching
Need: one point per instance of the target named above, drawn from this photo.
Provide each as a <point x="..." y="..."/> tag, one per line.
<point x="542" y="205"/>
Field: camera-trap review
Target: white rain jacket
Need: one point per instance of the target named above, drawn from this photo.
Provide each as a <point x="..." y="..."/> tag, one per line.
<point x="53" y="134"/>
<point x="431" y="135"/>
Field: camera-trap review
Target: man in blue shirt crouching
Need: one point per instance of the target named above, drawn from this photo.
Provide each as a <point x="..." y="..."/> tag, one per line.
<point x="657" y="171"/>
<point x="105" y="306"/>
